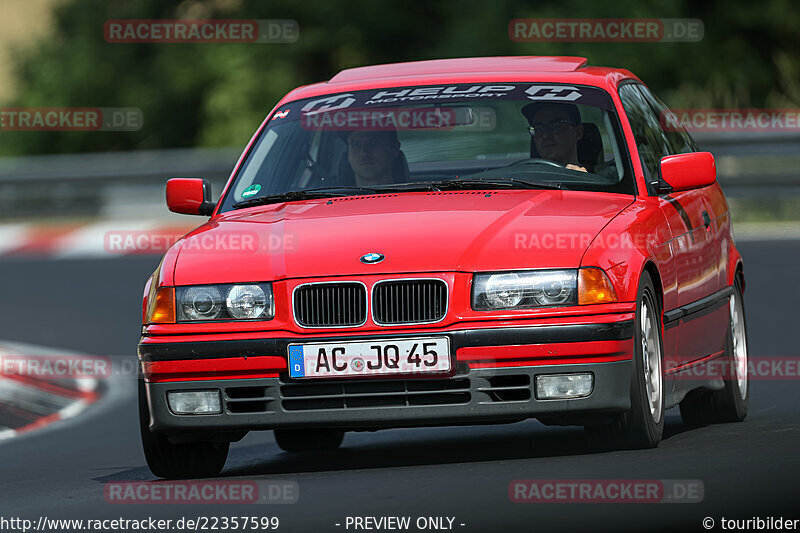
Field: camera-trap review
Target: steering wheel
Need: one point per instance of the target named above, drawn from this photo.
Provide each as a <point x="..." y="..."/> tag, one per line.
<point x="534" y="160"/>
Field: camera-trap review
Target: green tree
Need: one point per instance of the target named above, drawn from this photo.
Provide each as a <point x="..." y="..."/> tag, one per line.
<point x="217" y="94"/>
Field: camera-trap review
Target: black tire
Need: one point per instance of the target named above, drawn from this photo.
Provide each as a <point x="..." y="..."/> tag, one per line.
<point x="639" y="427"/>
<point x="178" y="461"/>
<point x="729" y="404"/>
<point x="308" y="440"/>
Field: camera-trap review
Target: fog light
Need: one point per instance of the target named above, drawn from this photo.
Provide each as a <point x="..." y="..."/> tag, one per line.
<point x="563" y="386"/>
<point x="198" y="402"/>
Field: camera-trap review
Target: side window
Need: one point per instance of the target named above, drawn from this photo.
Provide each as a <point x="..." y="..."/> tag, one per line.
<point x="680" y="141"/>
<point x="651" y="141"/>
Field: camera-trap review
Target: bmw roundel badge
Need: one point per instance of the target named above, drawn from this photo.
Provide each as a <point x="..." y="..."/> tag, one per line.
<point x="372" y="258"/>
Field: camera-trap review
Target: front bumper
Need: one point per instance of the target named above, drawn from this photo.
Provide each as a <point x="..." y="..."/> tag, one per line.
<point x="496" y="369"/>
<point x="469" y="397"/>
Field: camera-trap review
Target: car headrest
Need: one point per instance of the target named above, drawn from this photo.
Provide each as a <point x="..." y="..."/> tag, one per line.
<point x="590" y="146"/>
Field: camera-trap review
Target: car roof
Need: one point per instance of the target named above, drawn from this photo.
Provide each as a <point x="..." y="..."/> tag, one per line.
<point x="464" y="65"/>
<point x="555" y="69"/>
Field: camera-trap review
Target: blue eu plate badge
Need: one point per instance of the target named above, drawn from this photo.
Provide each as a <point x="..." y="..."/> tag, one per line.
<point x="296" y="364"/>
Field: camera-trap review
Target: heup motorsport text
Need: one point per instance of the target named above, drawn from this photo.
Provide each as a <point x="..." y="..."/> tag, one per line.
<point x="534" y="92"/>
<point x="437" y="93"/>
<point x="564" y="93"/>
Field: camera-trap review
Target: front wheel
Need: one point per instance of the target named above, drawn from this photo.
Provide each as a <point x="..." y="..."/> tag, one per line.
<point x="177" y="461"/>
<point x="642" y="426"/>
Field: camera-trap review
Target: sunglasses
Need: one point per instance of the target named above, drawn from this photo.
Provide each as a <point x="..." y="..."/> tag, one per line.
<point x="555" y="126"/>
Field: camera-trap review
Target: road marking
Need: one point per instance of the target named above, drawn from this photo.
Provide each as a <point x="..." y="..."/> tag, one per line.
<point x="766" y="231"/>
<point x="29" y="403"/>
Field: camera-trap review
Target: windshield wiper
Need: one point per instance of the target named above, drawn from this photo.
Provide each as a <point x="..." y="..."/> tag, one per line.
<point x="308" y="194"/>
<point x="489" y="183"/>
<point x="414" y="186"/>
<point x="332" y="192"/>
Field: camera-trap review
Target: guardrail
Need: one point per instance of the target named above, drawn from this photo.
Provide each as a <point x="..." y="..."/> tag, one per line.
<point x="132" y="183"/>
<point x="103" y="183"/>
<point x="755" y="165"/>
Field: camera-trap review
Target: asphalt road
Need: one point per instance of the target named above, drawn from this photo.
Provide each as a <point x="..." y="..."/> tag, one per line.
<point x="748" y="469"/>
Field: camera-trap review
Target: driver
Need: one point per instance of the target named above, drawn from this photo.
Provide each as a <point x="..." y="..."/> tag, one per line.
<point x="372" y="156"/>
<point x="556" y="130"/>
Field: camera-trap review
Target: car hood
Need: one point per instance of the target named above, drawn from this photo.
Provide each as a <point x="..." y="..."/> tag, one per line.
<point x="416" y="232"/>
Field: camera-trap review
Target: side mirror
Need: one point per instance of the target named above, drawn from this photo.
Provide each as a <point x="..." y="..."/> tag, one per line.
<point x="688" y="171"/>
<point x="189" y="196"/>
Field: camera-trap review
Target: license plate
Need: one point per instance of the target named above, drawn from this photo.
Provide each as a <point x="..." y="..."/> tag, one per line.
<point x="370" y="358"/>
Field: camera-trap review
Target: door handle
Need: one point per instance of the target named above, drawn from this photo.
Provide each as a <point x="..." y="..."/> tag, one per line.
<point x="706" y="219"/>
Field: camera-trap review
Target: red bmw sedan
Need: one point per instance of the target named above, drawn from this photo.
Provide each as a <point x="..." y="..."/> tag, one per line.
<point x="447" y="242"/>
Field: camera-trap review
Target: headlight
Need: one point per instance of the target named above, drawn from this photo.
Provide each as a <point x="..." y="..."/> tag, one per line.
<point x="225" y="302"/>
<point x="200" y="303"/>
<point x="246" y="301"/>
<point x="518" y="290"/>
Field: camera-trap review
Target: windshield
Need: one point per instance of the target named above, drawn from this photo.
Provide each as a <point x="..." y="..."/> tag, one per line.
<point x="436" y="137"/>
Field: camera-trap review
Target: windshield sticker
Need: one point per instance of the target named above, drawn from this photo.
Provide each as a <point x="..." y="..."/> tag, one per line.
<point x="566" y="93"/>
<point x="251" y="190"/>
<point x="358" y="101"/>
<point x="439" y="93"/>
<point x="331" y="103"/>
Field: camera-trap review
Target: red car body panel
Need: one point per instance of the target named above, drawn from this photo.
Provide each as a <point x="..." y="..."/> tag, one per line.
<point x="683" y="238"/>
<point x="473" y="233"/>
